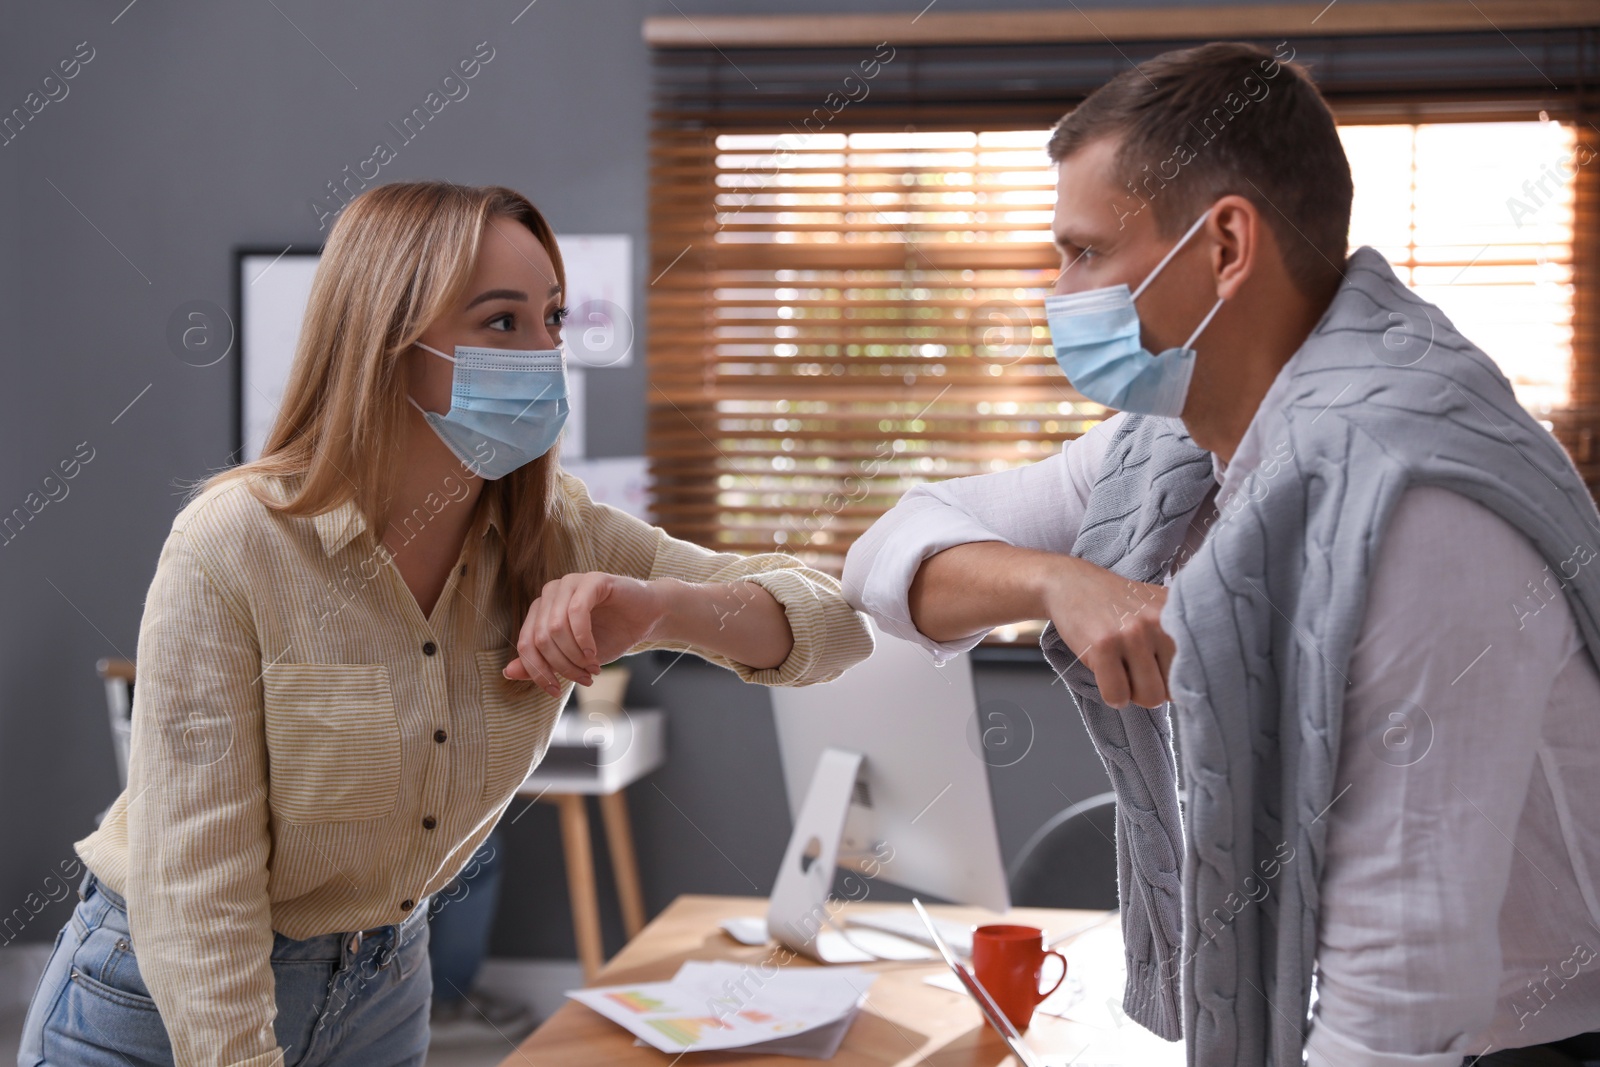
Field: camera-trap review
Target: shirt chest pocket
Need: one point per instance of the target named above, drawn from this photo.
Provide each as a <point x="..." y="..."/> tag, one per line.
<point x="518" y="719"/>
<point x="333" y="741"/>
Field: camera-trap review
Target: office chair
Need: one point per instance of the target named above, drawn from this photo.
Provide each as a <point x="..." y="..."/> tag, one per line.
<point x="1070" y="861"/>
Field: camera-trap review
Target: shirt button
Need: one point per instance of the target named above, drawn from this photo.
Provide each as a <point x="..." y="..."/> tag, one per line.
<point x="429" y="822"/>
<point x="407" y="905"/>
<point x="440" y="735"/>
<point x="429" y="648"/>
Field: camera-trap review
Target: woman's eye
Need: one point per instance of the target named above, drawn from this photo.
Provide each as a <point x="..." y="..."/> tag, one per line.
<point x="557" y="317"/>
<point x="508" y="319"/>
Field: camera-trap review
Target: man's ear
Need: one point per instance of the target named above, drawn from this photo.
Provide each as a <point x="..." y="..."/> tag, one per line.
<point x="1236" y="230"/>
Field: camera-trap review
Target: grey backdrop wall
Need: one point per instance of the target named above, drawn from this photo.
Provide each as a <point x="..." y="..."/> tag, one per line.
<point x="196" y="128"/>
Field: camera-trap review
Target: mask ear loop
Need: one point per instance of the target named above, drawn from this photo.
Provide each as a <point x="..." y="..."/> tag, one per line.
<point x="412" y="399"/>
<point x="435" y="351"/>
<point x="1198" y="330"/>
<point x="1148" y="278"/>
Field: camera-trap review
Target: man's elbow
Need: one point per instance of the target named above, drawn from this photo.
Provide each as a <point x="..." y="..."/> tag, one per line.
<point x="857" y="568"/>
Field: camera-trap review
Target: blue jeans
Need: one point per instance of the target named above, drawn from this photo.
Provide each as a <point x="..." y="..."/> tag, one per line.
<point x="347" y="999"/>
<point x="461" y="915"/>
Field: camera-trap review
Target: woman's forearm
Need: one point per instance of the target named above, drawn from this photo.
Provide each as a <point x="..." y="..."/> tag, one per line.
<point x="739" y="620"/>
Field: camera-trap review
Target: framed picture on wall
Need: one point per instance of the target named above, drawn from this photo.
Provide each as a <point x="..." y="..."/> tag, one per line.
<point x="271" y="287"/>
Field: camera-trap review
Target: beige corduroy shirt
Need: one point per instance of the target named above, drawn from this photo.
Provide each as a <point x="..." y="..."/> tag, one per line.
<point x="312" y="755"/>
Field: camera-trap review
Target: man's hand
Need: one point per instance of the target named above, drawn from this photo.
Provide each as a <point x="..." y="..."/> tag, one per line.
<point x="581" y="621"/>
<point x="1111" y="623"/>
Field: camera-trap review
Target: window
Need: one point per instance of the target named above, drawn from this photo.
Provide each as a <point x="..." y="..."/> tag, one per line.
<point x="864" y="313"/>
<point x="1477" y="217"/>
<point x="865" y="309"/>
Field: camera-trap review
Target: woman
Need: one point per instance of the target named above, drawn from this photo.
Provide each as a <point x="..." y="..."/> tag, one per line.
<point x="335" y="702"/>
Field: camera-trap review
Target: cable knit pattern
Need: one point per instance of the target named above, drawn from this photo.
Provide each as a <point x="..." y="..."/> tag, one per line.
<point x="1152" y="480"/>
<point x="1384" y="395"/>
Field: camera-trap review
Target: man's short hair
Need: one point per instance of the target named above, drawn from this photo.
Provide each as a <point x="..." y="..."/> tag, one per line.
<point x="1201" y="123"/>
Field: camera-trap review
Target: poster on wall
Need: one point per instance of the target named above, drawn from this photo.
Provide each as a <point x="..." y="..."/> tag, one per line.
<point x="273" y="288"/>
<point x="621" y="481"/>
<point x="599" y="328"/>
<point x="573" y="434"/>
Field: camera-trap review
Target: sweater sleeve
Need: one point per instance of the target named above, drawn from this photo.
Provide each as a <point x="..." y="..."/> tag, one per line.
<point x="829" y="635"/>
<point x="198" y="834"/>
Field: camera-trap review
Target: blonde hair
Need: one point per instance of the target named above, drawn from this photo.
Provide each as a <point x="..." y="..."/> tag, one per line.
<point x="398" y="258"/>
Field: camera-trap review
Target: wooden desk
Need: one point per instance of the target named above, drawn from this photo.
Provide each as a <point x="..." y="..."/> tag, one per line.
<point x="904" y="1021"/>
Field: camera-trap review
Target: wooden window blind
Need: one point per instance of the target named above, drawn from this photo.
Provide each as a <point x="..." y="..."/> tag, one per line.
<point x="1481" y="241"/>
<point x="849" y="314"/>
<point x="846" y="285"/>
<point x="1578" y="424"/>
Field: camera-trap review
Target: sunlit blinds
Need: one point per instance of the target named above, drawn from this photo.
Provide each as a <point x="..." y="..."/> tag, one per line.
<point x="1477" y="217"/>
<point x="840" y="316"/>
<point x="845" y="297"/>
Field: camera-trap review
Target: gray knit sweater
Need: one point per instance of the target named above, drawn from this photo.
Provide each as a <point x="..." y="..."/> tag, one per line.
<point x="1151" y="481"/>
<point x="1384" y="395"/>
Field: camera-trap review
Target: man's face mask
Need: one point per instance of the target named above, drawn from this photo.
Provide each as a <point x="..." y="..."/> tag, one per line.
<point x="1097" y="344"/>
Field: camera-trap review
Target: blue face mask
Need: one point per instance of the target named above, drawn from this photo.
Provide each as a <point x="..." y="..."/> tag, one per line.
<point x="1097" y="343"/>
<point x="507" y="407"/>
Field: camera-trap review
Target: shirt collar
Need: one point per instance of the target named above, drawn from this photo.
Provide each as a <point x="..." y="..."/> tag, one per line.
<point x="340" y="526"/>
<point x="337" y="528"/>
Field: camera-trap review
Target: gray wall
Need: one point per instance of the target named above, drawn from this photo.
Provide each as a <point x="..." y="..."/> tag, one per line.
<point x="201" y="127"/>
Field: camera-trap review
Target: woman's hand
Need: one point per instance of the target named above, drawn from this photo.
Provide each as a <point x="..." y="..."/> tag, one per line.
<point x="581" y="621"/>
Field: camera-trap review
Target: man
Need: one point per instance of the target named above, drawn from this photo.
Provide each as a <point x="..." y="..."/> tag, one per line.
<point x="1379" y="622"/>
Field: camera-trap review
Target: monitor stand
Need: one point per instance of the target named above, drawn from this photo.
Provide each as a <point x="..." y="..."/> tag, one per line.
<point x="800" y="908"/>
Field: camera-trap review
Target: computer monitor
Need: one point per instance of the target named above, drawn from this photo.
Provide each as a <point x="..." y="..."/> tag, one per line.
<point x="885" y="774"/>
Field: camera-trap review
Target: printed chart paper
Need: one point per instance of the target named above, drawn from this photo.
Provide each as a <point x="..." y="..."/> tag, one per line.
<point x="722" y="1005"/>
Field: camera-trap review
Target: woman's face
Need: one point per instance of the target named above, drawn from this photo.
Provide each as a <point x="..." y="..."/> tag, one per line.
<point x="511" y="301"/>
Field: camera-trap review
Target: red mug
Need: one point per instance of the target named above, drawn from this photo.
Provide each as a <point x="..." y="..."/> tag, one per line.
<point x="1009" y="961"/>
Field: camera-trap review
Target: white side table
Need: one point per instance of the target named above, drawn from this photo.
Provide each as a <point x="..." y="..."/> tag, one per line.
<point x="598" y="755"/>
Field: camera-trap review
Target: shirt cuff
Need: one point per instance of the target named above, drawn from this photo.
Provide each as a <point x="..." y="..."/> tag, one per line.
<point x="880" y="583"/>
<point x="266" y="1059"/>
<point x="829" y="635"/>
<point x="1329" y="1048"/>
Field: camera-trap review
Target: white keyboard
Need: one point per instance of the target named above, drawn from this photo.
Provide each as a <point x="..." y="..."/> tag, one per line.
<point x="900" y="923"/>
<point x="903" y="922"/>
